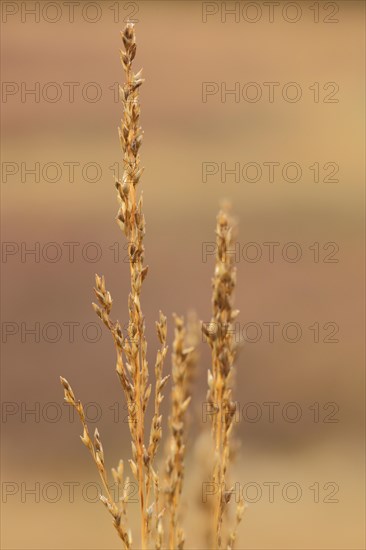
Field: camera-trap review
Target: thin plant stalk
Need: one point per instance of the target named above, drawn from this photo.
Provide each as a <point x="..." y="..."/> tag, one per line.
<point x="180" y="400"/>
<point x="219" y="335"/>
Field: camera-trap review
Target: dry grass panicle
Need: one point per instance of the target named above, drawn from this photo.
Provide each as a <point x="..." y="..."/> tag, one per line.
<point x="159" y="494"/>
<point x="180" y="400"/>
<point x="220" y="337"/>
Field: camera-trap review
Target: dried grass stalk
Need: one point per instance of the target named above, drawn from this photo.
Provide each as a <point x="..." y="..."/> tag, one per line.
<point x="220" y="337"/>
<point x="132" y="366"/>
<point x="180" y="400"/>
<point x="95" y="448"/>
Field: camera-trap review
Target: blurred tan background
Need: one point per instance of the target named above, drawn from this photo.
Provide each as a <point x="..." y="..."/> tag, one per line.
<point x="182" y="46"/>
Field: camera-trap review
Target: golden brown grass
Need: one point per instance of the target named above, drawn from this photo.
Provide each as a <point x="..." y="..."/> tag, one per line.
<point x="180" y="400"/>
<point x="160" y="492"/>
<point x="220" y="336"/>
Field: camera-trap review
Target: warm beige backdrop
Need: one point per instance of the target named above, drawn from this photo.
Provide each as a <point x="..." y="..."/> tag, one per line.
<point x="180" y="52"/>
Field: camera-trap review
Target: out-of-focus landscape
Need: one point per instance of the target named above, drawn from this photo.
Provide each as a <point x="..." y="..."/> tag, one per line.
<point x="302" y="469"/>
